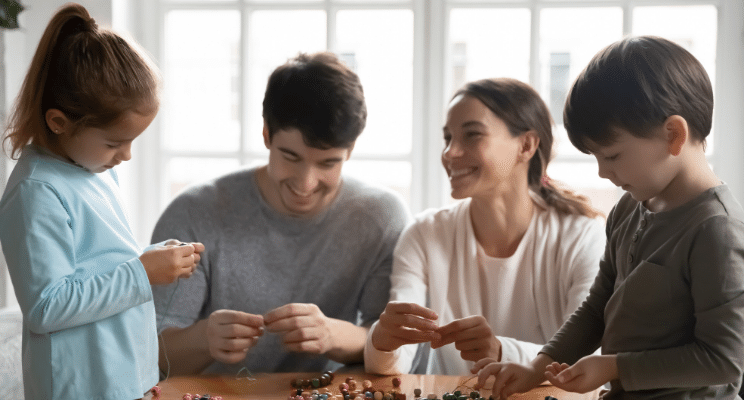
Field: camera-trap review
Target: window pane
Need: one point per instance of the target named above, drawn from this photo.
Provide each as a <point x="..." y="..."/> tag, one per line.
<point x="201" y="80"/>
<point x="488" y="43"/>
<point x="674" y="23"/>
<point x="565" y="49"/>
<point x="395" y="175"/>
<point x="582" y="178"/>
<point x="183" y="171"/>
<point x="382" y="56"/>
<point x="273" y="38"/>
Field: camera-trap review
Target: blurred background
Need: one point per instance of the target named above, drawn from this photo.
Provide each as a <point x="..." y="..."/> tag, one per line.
<point x="411" y="55"/>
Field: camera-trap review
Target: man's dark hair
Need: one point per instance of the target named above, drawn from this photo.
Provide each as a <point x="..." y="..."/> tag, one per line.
<point x="635" y="84"/>
<point x="318" y="95"/>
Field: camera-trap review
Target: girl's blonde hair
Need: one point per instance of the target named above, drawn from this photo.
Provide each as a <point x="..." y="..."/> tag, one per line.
<point x="522" y="109"/>
<point x="92" y="75"/>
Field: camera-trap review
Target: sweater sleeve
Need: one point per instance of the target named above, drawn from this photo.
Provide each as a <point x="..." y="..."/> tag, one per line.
<point x="715" y="356"/>
<point x="408" y="285"/>
<point x="37" y="241"/>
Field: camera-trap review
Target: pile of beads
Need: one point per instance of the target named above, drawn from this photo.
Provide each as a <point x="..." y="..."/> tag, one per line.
<point x="189" y="396"/>
<point x="324" y="380"/>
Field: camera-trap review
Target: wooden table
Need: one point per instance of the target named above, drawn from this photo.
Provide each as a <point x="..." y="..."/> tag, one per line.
<point x="276" y="386"/>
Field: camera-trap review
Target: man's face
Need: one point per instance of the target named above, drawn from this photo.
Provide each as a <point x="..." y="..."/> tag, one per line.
<point x="303" y="180"/>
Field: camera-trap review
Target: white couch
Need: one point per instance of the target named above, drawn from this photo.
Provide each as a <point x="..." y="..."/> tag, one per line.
<point x="11" y="373"/>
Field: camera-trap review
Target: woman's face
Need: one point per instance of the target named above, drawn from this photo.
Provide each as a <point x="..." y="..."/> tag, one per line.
<point x="480" y="153"/>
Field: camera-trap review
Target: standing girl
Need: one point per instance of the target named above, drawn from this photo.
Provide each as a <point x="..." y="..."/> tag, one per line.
<point x="80" y="278"/>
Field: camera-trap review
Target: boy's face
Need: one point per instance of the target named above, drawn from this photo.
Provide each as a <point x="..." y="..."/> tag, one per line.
<point x="640" y="166"/>
<point x="303" y="180"/>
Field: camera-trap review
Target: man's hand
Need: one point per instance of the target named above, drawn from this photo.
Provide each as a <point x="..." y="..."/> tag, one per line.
<point x="472" y="336"/>
<point x="404" y="323"/>
<point x="302" y="327"/>
<point x="586" y="375"/>
<point x="230" y="334"/>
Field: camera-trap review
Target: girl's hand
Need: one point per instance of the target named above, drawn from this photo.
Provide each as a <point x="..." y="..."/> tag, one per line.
<point x="404" y="323"/>
<point x="586" y="375"/>
<point x="164" y="265"/>
<point x="472" y="336"/>
<point x="509" y="378"/>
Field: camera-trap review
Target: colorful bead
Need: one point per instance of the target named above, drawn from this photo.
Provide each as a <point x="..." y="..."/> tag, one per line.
<point x="396" y="382"/>
<point x="417" y="392"/>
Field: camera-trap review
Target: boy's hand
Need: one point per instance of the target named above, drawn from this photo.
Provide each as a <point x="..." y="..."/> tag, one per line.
<point x="509" y="378"/>
<point x="164" y="265"/>
<point x="404" y="323"/>
<point x="472" y="336"/>
<point x="586" y="375"/>
<point x="230" y="334"/>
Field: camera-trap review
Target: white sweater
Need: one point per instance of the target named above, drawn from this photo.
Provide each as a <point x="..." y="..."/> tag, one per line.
<point x="525" y="298"/>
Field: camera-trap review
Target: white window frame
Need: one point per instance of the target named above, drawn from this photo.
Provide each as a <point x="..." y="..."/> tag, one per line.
<point x="430" y="79"/>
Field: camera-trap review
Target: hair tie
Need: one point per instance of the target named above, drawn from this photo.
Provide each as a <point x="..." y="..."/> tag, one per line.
<point x="545" y="180"/>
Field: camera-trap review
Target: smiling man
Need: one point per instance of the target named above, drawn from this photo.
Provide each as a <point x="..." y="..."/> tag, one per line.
<point x="298" y="256"/>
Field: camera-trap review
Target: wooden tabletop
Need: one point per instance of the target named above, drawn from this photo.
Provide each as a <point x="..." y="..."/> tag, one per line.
<point x="277" y="386"/>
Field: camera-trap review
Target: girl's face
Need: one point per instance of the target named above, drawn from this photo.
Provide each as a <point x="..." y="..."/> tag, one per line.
<point x="99" y="149"/>
<point x="480" y="153"/>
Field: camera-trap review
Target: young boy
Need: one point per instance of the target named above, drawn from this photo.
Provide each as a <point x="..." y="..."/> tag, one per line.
<point x="667" y="307"/>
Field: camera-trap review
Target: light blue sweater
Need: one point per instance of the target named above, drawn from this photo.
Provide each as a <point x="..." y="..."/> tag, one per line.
<point x="88" y="315"/>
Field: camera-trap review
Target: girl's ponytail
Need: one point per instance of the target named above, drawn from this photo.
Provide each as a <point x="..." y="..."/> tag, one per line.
<point x="90" y="74"/>
<point x="522" y="109"/>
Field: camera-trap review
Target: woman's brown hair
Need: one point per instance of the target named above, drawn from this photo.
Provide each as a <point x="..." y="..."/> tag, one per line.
<point x="92" y="75"/>
<point x="522" y="110"/>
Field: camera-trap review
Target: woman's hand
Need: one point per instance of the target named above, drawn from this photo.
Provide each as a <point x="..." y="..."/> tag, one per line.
<point x="404" y="323"/>
<point x="472" y="336"/>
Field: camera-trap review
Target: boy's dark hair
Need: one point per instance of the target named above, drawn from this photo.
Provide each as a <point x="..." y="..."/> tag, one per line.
<point x="635" y="84"/>
<point x="320" y="96"/>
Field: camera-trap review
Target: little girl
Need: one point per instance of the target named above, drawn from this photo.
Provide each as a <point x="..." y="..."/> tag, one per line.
<point x="80" y="278"/>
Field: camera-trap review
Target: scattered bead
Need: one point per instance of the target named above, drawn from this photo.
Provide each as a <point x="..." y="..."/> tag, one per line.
<point x="431" y="396"/>
<point x="417" y="392"/>
<point x="396" y="382"/>
<point x="367" y="384"/>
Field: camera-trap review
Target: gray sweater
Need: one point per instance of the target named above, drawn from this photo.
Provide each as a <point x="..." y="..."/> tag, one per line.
<point x="668" y="300"/>
<point x="257" y="259"/>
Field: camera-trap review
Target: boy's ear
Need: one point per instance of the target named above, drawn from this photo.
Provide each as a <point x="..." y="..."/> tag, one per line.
<point x="57" y="121"/>
<point x="530" y="141"/>
<point x="677" y="133"/>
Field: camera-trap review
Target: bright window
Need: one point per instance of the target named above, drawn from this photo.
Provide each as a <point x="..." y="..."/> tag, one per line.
<point x="411" y="55"/>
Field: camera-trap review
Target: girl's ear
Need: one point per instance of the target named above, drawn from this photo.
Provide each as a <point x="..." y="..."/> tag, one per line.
<point x="57" y="121"/>
<point x="677" y="132"/>
<point x="530" y="142"/>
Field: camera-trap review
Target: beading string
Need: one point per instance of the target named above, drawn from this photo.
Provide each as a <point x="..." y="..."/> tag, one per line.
<point x="160" y="335"/>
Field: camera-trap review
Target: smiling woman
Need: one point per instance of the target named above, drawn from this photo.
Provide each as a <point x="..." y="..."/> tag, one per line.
<point x="517" y="253"/>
